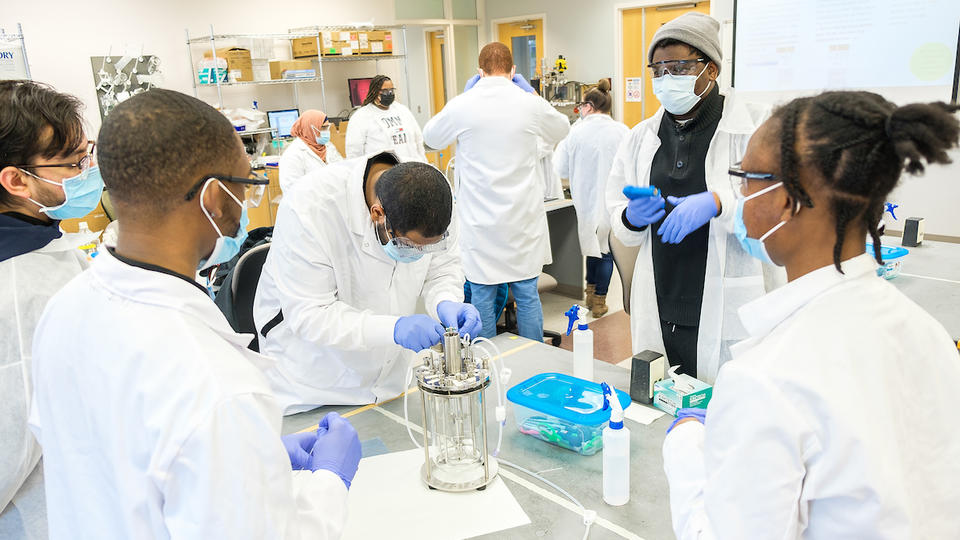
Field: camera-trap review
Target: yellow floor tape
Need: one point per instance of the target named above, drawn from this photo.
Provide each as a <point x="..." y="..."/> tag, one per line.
<point x="359" y="410"/>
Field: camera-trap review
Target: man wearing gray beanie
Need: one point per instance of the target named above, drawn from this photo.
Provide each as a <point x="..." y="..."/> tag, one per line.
<point x="688" y="253"/>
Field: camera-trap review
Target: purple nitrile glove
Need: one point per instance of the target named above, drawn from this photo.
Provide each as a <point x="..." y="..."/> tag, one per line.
<point x="337" y="448"/>
<point x="699" y="414"/>
<point x="464" y="317"/>
<point x="643" y="211"/>
<point x="298" y="447"/>
<point x="473" y="80"/>
<point x="689" y="214"/>
<point x="522" y="83"/>
<point x="417" y="332"/>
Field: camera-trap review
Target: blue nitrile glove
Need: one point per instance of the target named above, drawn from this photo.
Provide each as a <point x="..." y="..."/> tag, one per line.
<point x="298" y="447"/>
<point x="643" y="211"/>
<point x="522" y="83"/>
<point x="699" y="414"/>
<point x="337" y="448"/>
<point x="689" y="214"/>
<point x="464" y="317"/>
<point x="473" y="80"/>
<point x="417" y="332"/>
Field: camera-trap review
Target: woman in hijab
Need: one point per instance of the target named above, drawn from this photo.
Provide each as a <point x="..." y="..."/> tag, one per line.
<point x="311" y="148"/>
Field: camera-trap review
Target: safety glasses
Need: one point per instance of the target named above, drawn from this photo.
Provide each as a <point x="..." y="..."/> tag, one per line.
<point x="675" y="67"/>
<point x="252" y="193"/>
<point x="739" y="179"/>
<point x="80" y="165"/>
<point x="407" y="245"/>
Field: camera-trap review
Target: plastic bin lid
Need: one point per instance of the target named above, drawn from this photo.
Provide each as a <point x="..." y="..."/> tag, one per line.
<point x="566" y="397"/>
<point x="888" y="252"/>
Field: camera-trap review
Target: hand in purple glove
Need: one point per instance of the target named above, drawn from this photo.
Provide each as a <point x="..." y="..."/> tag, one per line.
<point x="689" y="214"/>
<point x="643" y="211"/>
<point x="337" y="448"/>
<point x="473" y="80"/>
<point x="699" y="414"/>
<point x="464" y="317"/>
<point x="298" y="447"/>
<point x="522" y="83"/>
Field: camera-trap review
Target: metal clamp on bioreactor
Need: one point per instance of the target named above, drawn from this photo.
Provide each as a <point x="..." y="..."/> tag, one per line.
<point x="452" y="385"/>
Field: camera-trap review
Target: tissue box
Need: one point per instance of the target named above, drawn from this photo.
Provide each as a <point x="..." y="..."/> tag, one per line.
<point x="669" y="400"/>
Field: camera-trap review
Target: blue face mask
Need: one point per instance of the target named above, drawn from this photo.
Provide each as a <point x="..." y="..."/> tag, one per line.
<point x="323" y="137"/>
<point x="81" y="192"/>
<point x="754" y="246"/>
<point x="227" y="247"/>
<point x="676" y="92"/>
<point x="401" y="254"/>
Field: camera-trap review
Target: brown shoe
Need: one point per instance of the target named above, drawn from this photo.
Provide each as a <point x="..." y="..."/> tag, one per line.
<point x="600" y="305"/>
<point x="590" y="291"/>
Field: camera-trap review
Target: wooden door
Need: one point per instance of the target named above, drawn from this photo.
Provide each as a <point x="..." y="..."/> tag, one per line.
<point x="639" y="27"/>
<point x="525" y="40"/>
<point x="437" y="70"/>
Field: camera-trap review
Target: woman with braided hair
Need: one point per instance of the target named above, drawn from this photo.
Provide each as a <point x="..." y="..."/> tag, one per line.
<point x="835" y="419"/>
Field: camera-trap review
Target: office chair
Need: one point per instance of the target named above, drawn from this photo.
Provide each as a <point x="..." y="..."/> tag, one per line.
<point x="243" y="286"/>
<point x="625" y="259"/>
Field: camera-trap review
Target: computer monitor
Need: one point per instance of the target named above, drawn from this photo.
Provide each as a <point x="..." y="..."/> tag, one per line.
<point x="283" y="120"/>
<point x="358" y="90"/>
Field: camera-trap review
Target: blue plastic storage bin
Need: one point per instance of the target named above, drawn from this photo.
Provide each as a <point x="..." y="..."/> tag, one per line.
<point x="892" y="260"/>
<point x="563" y="410"/>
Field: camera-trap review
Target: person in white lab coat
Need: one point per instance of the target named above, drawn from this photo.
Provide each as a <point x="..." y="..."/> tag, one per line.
<point x="384" y="124"/>
<point x="691" y="275"/>
<point x="311" y="148"/>
<point x="355" y="245"/>
<point x="585" y="158"/>
<point x="836" y="418"/>
<point x="498" y="127"/>
<point x="45" y="176"/>
<point x="153" y="415"/>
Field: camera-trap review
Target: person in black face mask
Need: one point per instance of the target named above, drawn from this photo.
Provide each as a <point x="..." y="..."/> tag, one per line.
<point x="382" y="124"/>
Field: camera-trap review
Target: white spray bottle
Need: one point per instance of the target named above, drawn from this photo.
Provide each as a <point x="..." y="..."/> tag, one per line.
<point x="582" y="343"/>
<point x="616" y="453"/>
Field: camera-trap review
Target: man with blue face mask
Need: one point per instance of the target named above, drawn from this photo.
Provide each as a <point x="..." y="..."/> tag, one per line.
<point x="154" y="417"/>
<point x="356" y="245"/>
<point x="46" y="175"/>
<point x="691" y="274"/>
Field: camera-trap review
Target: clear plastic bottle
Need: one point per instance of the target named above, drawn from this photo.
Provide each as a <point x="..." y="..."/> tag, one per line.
<point x="582" y="343"/>
<point x="616" y="454"/>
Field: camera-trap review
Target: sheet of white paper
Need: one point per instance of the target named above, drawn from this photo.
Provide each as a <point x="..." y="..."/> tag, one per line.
<point x="388" y="499"/>
<point x="641" y="413"/>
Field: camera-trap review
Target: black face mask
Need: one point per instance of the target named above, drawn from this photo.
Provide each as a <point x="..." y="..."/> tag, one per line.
<point x="387" y="97"/>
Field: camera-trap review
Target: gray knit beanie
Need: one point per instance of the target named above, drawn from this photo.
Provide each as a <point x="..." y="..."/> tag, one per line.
<point x="695" y="29"/>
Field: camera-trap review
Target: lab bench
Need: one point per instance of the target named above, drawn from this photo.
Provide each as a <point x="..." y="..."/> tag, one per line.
<point x="647" y="515"/>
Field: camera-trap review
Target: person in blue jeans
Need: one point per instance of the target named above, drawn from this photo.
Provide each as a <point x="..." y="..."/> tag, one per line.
<point x="599" y="272"/>
<point x="490" y="300"/>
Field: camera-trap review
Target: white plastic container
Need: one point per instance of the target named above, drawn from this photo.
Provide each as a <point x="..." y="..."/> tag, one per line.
<point x="616" y="455"/>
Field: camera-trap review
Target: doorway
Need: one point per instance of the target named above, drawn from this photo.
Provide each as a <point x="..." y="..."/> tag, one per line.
<point x="438" y="70"/>
<point x="638" y="27"/>
<point x="524" y="37"/>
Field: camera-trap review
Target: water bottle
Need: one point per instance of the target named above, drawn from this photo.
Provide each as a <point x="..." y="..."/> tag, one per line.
<point x="616" y="453"/>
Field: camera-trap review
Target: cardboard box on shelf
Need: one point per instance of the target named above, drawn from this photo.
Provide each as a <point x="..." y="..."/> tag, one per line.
<point x="239" y="63"/>
<point x="376" y="42"/>
<point x="278" y="67"/>
<point x="337" y="43"/>
<point x="305" y="47"/>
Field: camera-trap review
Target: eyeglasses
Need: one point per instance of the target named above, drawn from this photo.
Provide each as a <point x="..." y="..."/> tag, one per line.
<point x="81" y="165"/>
<point x="252" y="193"/>
<point x="739" y="178"/>
<point x="405" y="244"/>
<point x="675" y="67"/>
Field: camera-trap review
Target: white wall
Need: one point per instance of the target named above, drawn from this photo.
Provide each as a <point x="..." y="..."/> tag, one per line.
<point x="62" y="36"/>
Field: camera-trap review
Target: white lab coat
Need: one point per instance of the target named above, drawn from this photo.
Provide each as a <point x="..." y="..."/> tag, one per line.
<point x="552" y="183"/>
<point x="372" y="130"/>
<point x="299" y="159"/>
<point x="500" y="186"/>
<point x="836" y="419"/>
<point x="733" y="277"/>
<point x="27" y="282"/>
<point x="341" y="295"/>
<point x="156" y="423"/>
<point x="585" y="157"/>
